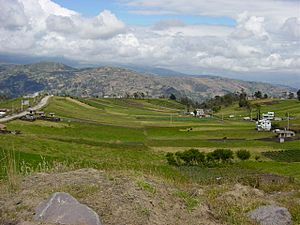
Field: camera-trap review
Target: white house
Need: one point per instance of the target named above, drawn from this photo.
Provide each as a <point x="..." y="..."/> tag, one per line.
<point x="268" y="116"/>
<point x="200" y="112"/>
<point x="263" y="125"/>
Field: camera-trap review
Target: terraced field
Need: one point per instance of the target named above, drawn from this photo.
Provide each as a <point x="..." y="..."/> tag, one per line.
<point x="135" y="135"/>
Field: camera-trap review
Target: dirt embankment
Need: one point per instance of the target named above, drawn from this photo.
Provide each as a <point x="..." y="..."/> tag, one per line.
<point x="117" y="199"/>
<point x="139" y="200"/>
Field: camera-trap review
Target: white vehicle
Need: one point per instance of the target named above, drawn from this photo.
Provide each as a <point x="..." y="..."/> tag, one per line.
<point x="263" y="125"/>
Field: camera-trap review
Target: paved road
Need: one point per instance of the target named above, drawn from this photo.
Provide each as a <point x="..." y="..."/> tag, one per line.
<point x="40" y="105"/>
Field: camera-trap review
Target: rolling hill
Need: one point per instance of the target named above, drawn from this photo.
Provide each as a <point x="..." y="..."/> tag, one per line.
<point x="57" y="78"/>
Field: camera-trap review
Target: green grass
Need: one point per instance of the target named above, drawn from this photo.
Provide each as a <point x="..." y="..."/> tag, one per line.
<point x="15" y="104"/>
<point x="129" y="135"/>
<point x="121" y="134"/>
<point x="284" y="156"/>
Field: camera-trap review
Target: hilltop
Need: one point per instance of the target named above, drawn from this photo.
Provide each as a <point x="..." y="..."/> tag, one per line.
<point x="57" y="78"/>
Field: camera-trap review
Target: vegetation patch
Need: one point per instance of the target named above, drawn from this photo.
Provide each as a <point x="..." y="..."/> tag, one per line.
<point x="146" y="186"/>
<point x="283" y="156"/>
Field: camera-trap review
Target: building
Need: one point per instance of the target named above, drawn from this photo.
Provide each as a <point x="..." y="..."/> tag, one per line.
<point x="2" y="114"/>
<point x="40" y="113"/>
<point x="268" y="116"/>
<point x="284" y="133"/>
<point x="263" y="125"/>
<point x="200" y="112"/>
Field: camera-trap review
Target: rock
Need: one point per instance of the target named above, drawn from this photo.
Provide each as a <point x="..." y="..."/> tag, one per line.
<point x="271" y="215"/>
<point x="62" y="208"/>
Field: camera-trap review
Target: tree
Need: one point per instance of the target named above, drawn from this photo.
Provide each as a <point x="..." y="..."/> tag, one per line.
<point x="172" y="97"/>
<point x="243" y="154"/>
<point x="195" y="112"/>
<point x="258" y="108"/>
<point x="266" y="96"/>
<point x="298" y="94"/>
<point x="135" y="95"/>
<point x="258" y="94"/>
<point x="291" y="95"/>
<point x="243" y="102"/>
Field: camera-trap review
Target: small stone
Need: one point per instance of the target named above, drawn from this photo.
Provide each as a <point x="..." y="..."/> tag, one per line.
<point x="271" y="215"/>
<point x="62" y="208"/>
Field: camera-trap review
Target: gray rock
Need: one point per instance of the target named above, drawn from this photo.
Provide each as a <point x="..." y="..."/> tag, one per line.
<point x="62" y="208"/>
<point x="271" y="215"/>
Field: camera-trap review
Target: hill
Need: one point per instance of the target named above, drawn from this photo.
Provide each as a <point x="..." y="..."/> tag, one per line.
<point x="16" y="80"/>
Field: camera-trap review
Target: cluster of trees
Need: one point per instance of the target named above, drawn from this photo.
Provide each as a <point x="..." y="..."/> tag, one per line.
<point x="228" y="99"/>
<point x="193" y="157"/>
<point x="260" y="95"/>
<point x="298" y="94"/>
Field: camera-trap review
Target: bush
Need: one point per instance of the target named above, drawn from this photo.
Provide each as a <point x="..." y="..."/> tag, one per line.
<point x="192" y="157"/>
<point x="243" y="154"/>
<point x="222" y="154"/>
<point x="171" y="159"/>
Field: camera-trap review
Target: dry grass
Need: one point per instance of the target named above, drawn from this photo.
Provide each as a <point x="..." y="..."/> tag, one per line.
<point x="9" y="163"/>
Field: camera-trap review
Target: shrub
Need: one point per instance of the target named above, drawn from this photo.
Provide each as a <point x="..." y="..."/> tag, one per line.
<point x="210" y="157"/>
<point x="222" y="154"/>
<point x="192" y="157"/>
<point x="171" y="159"/>
<point x="243" y="154"/>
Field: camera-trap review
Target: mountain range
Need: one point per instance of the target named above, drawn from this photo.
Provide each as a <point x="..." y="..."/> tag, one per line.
<point x="58" y="78"/>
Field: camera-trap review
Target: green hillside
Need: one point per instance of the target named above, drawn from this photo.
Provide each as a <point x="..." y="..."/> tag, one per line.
<point x="103" y="131"/>
<point x="133" y="136"/>
<point x="282" y="108"/>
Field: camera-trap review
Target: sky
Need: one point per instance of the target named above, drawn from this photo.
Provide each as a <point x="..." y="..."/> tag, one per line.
<point x="195" y="36"/>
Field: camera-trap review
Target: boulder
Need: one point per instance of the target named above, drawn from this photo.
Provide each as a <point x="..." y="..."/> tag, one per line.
<point x="62" y="208"/>
<point x="271" y="215"/>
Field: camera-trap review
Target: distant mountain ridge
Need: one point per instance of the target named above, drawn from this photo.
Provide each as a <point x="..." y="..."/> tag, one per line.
<point x="58" y="78"/>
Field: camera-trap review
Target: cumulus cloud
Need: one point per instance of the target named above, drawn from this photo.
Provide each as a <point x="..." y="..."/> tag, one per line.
<point x="291" y="28"/>
<point x="12" y="15"/>
<point x="265" y="38"/>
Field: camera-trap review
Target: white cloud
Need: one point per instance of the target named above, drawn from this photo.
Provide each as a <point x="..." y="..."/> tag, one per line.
<point x="277" y="9"/>
<point x="264" y="39"/>
<point x="12" y="15"/>
<point x="291" y="28"/>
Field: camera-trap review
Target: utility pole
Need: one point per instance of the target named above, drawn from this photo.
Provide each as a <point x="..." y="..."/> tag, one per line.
<point x="288" y="118"/>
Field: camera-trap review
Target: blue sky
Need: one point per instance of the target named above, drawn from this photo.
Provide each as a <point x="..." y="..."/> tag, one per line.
<point x="92" y="8"/>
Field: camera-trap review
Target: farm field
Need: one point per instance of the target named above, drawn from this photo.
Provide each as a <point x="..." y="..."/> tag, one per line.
<point x="133" y="136"/>
<point x="141" y="127"/>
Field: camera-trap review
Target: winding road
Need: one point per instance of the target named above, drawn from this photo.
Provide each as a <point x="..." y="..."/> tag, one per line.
<point x="40" y="105"/>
